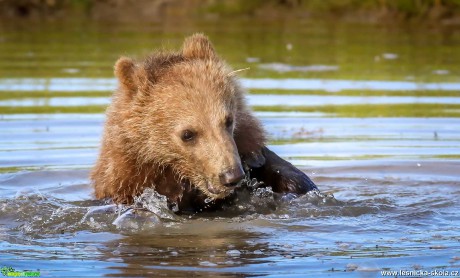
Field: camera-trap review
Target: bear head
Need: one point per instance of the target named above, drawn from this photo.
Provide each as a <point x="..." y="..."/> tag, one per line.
<point x="180" y="111"/>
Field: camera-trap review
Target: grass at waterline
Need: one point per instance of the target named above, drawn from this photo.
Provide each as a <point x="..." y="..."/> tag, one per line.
<point x="446" y="156"/>
<point x="4" y="170"/>
<point x="366" y="110"/>
<point x="8" y="170"/>
<point x="52" y="109"/>
<point x="440" y="93"/>
<point x="354" y="111"/>
<point x="369" y="157"/>
<point x="332" y="157"/>
<point x="310" y="138"/>
<point x="4" y="95"/>
<point x="47" y="94"/>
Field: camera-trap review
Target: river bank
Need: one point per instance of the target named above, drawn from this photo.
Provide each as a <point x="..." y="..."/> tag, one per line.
<point x="431" y="12"/>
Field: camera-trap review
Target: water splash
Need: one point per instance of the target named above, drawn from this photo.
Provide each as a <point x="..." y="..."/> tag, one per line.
<point x="318" y="198"/>
<point x="39" y="214"/>
<point x="98" y="210"/>
<point x="254" y="184"/>
<point x="137" y="220"/>
<point x="148" y="211"/>
<point x="154" y="202"/>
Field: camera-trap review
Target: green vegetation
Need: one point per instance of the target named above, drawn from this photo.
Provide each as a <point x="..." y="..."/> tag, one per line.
<point x="358" y="51"/>
<point x="51" y="109"/>
<point x="348" y="9"/>
<point x="335" y="158"/>
<point x="446" y="156"/>
<point x="357" y="111"/>
<point x="365" y="110"/>
<point x="4" y="95"/>
<point x="389" y="9"/>
<point x="357" y="93"/>
<point x="15" y="169"/>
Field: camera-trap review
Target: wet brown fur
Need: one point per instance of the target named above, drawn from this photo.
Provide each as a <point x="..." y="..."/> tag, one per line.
<point x="159" y="97"/>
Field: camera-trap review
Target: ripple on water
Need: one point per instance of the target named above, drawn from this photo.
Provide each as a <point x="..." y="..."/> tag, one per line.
<point x="320" y="225"/>
<point x="40" y="215"/>
<point x="109" y="84"/>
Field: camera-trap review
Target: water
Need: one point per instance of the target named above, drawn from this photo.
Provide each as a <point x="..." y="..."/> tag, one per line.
<point x="371" y="114"/>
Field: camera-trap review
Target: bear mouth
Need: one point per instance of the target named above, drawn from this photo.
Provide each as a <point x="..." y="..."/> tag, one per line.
<point x="217" y="192"/>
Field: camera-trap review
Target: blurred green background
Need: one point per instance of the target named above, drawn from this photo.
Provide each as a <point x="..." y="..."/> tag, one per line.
<point x="446" y="11"/>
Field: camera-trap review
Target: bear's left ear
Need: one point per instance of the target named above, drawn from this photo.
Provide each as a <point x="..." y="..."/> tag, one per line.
<point x="198" y="46"/>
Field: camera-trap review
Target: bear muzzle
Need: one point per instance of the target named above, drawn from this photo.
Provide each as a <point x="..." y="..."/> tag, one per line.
<point x="232" y="176"/>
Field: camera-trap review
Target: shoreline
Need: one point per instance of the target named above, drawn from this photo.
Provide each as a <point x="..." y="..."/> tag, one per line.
<point x="436" y="12"/>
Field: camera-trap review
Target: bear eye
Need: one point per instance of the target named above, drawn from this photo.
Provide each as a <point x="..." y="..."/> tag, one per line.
<point x="188" y="135"/>
<point x="229" y="122"/>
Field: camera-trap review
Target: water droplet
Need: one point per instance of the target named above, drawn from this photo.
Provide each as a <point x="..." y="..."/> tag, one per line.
<point x="174" y="207"/>
<point x="234" y="253"/>
<point x="90" y="248"/>
<point x="207" y="263"/>
<point x="253" y="184"/>
<point x="208" y="200"/>
<point x="252" y="59"/>
<point x="352" y="267"/>
<point x="288" y="197"/>
<point x="441" y="72"/>
<point x="390" y="56"/>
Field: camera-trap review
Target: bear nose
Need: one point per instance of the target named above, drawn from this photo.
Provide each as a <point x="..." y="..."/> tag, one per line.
<point x="232" y="176"/>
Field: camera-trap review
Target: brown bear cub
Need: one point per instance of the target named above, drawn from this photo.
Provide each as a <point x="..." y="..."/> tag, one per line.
<point x="179" y="123"/>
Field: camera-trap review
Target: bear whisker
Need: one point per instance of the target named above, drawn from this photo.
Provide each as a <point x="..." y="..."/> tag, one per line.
<point x="232" y="73"/>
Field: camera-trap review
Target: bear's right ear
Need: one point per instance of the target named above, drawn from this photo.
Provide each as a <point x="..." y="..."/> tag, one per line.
<point x="124" y="71"/>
